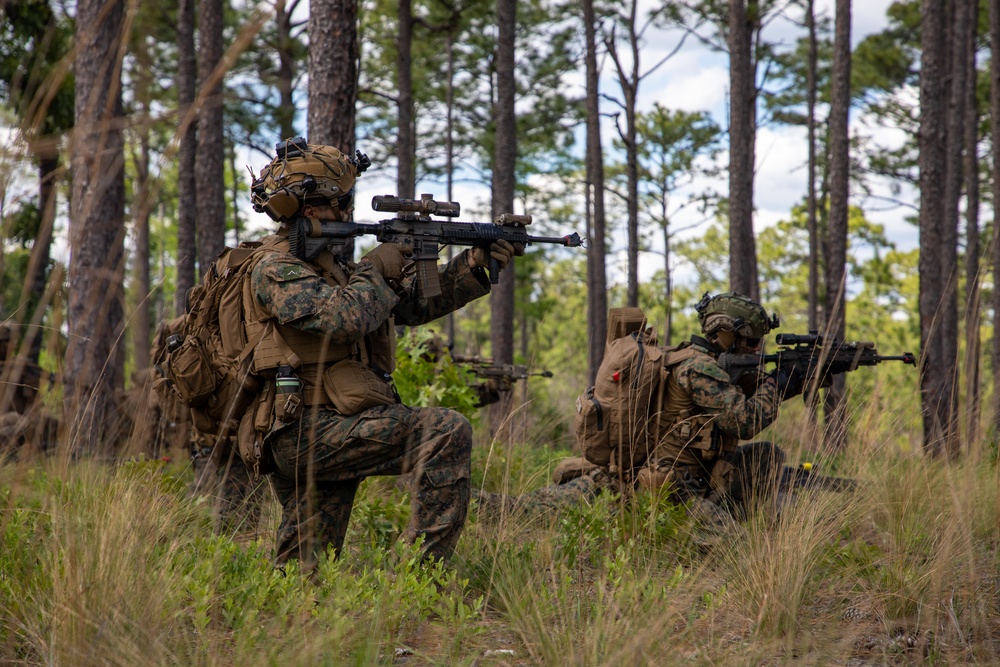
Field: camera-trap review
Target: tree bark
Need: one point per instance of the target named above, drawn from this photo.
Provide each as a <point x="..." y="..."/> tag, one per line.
<point x="187" y="247"/>
<point x="333" y="72"/>
<point x="836" y="424"/>
<point x="957" y="35"/>
<point x="210" y="158"/>
<point x="995" y="239"/>
<point x="973" y="308"/>
<point x="935" y="387"/>
<point x="742" y="247"/>
<point x="97" y="228"/>
<point x="286" y="69"/>
<point x="406" y="149"/>
<point x="811" y="67"/>
<point x="505" y="155"/>
<point x="597" y="280"/>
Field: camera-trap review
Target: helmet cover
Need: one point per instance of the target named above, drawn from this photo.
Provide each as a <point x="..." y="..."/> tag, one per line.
<point x="303" y="173"/>
<point x="731" y="311"/>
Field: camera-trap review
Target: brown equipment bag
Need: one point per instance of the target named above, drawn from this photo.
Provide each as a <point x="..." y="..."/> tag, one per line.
<point x="612" y="416"/>
<point x="205" y="362"/>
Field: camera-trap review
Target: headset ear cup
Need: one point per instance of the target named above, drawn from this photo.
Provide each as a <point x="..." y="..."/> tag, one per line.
<point x="283" y="205"/>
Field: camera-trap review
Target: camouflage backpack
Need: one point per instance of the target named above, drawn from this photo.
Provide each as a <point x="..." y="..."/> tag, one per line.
<point x="611" y="416"/>
<point x="205" y="361"/>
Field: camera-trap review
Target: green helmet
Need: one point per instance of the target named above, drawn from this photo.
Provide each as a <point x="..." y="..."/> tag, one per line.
<point x="735" y="312"/>
<point x="302" y="173"/>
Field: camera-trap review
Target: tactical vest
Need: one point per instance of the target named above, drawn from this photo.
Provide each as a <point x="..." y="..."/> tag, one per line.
<point x="348" y="378"/>
<point x="684" y="434"/>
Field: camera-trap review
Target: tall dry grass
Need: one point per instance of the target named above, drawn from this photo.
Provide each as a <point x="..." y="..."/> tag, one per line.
<point x="118" y="566"/>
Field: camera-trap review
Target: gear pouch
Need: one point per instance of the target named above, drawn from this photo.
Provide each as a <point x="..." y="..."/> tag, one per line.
<point x="190" y="372"/>
<point x="353" y="386"/>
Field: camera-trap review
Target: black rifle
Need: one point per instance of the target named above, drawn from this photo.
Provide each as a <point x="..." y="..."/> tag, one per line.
<point x="809" y="353"/>
<point x="804" y="477"/>
<point x="415" y="227"/>
<point x="498" y="377"/>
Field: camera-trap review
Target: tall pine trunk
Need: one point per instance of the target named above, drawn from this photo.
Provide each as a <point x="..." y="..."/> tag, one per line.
<point x="505" y="155"/>
<point x="935" y="387"/>
<point x="187" y="246"/>
<point x="973" y="283"/>
<point x="97" y="228"/>
<point x="995" y="241"/>
<point x="840" y="105"/>
<point x="742" y="247"/>
<point x="597" y="280"/>
<point x="210" y="158"/>
<point x="406" y="145"/>
<point x="333" y="72"/>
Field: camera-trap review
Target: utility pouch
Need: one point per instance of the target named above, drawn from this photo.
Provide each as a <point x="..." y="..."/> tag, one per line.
<point x="190" y="372"/>
<point x="353" y="387"/>
<point x="591" y="428"/>
<point x="722" y="476"/>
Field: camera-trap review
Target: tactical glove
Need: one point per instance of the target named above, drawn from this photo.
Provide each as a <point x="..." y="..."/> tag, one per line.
<point x="500" y="250"/>
<point x="789" y="380"/>
<point x="389" y="258"/>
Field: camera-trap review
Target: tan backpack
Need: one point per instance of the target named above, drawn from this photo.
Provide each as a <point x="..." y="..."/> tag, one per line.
<point x="611" y="416"/>
<point x="205" y="362"/>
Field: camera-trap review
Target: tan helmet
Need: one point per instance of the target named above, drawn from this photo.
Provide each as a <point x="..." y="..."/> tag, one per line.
<point x="734" y="312"/>
<point x="301" y="173"/>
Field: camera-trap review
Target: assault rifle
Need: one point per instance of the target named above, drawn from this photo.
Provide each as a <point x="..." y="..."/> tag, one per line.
<point x="498" y="377"/>
<point x="415" y="227"/>
<point x="819" y="360"/>
<point x="804" y="477"/>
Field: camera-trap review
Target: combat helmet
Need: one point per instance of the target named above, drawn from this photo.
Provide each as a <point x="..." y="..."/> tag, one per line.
<point x="301" y="173"/>
<point x="731" y="311"/>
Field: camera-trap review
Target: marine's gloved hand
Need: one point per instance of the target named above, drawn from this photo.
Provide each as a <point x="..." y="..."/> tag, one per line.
<point x="389" y="258"/>
<point x="500" y="250"/>
<point x="789" y="379"/>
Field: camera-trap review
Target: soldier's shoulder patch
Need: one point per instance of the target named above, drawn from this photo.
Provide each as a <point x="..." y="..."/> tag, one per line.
<point x="285" y="269"/>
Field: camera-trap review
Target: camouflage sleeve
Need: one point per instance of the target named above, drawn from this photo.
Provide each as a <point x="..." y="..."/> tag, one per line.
<point x="711" y="390"/>
<point x="460" y="284"/>
<point x="295" y="294"/>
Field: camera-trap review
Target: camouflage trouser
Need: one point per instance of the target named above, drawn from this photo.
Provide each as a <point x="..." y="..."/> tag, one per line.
<point x="237" y="496"/>
<point x="336" y="453"/>
<point x="546" y="500"/>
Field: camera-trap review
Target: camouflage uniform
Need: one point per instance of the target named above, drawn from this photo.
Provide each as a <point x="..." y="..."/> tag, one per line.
<point x="332" y="453"/>
<point x="725" y="470"/>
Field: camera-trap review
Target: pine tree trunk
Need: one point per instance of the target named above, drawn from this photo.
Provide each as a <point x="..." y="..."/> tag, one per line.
<point x="97" y="228"/>
<point x="333" y="72"/>
<point x="973" y="283"/>
<point x="406" y="149"/>
<point x="742" y="247"/>
<point x="502" y="297"/>
<point x="187" y="247"/>
<point x="286" y="69"/>
<point x="934" y="376"/>
<point x="836" y="427"/>
<point x="210" y="158"/>
<point x="597" y="281"/>
<point x="995" y="240"/>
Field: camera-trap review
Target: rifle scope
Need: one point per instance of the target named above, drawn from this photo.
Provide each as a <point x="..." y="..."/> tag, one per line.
<point x="426" y="205"/>
<point x="811" y="338"/>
